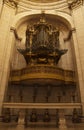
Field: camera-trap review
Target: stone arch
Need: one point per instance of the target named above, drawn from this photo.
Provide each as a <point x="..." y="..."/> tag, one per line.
<point x="20" y="18"/>
<point x="63" y="16"/>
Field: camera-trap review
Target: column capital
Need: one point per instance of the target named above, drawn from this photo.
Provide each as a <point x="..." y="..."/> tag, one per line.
<point x="11" y="3"/>
<point x="74" y="3"/>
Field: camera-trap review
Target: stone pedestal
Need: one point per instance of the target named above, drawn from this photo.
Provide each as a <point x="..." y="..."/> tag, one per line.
<point x="20" y="127"/>
<point x="21" y="120"/>
<point x="62" y="121"/>
<point x="62" y="124"/>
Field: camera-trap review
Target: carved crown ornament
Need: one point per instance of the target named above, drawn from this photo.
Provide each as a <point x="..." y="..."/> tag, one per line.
<point x="11" y="3"/>
<point x="74" y="3"/>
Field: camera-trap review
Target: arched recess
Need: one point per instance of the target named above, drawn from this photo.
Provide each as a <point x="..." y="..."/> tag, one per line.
<point x="66" y="20"/>
<point x="64" y="16"/>
<point x="60" y="16"/>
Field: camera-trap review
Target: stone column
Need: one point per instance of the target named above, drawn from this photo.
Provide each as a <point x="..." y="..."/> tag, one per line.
<point x="62" y="120"/>
<point x="21" y="120"/>
<point x="6" y="48"/>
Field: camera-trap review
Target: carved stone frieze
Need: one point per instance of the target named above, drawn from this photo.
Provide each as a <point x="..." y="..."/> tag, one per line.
<point x="11" y="3"/>
<point x="75" y="3"/>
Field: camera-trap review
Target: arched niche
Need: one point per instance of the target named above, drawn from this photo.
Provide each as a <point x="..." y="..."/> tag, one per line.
<point x="64" y="25"/>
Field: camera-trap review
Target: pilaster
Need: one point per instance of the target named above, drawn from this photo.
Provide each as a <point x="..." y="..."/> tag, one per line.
<point x="1" y="6"/>
<point x="78" y="68"/>
<point x="6" y="45"/>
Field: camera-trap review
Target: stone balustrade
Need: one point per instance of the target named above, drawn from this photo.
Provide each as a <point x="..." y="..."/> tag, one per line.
<point x="43" y="72"/>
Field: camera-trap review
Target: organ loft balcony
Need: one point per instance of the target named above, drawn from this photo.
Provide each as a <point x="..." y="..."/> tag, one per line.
<point x="43" y="73"/>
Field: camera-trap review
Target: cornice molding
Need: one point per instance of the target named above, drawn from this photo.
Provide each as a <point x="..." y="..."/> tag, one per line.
<point x="61" y="4"/>
<point x="75" y="3"/>
<point x="71" y="4"/>
<point x="11" y="3"/>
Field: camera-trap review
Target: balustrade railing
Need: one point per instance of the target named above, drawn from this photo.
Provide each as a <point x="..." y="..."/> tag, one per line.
<point x="52" y="71"/>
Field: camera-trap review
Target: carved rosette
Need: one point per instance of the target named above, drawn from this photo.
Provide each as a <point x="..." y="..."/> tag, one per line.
<point x="11" y="3"/>
<point x="75" y="4"/>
